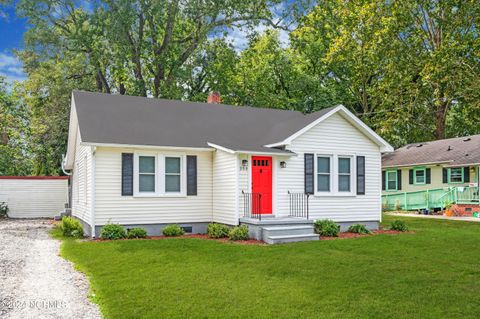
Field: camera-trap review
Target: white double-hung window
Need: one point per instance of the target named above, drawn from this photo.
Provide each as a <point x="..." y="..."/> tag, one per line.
<point x="323" y="174"/>
<point x="172" y="174"/>
<point x="335" y="175"/>
<point x="146" y="174"/>
<point x="344" y="174"/>
<point x="158" y="174"/>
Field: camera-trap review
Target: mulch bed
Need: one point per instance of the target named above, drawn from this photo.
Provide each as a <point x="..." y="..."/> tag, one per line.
<point x="376" y="232"/>
<point x="344" y="235"/>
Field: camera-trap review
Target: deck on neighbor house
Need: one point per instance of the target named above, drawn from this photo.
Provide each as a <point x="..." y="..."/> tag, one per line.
<point x="437" y="198"/>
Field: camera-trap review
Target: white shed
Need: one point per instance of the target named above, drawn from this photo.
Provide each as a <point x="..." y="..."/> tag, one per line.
<point x="34" y="196"/>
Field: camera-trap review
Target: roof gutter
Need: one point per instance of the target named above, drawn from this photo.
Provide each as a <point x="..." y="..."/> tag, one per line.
<point x="146" y="146"/>
<point x="416" y="164"/>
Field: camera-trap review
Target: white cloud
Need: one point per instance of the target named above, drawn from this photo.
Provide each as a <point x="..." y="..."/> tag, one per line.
<point x="11" y="68"/>
<point x="238" y="36"/>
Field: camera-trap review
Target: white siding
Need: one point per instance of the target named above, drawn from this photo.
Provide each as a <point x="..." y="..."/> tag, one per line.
<point x="243" y="182"/>
<point x="225" y="187"/>
<point x="110" y="205"/>
<point x="31" y="198"/>
<point x="82" y="182"/>
<point x="333" y="135"/>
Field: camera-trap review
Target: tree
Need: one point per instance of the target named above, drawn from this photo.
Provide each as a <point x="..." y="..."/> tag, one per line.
<point x="136" y="47"/>
<point x="47" y="94"/>
<point x="402" y="66"/>
<point x="14" y="131"/>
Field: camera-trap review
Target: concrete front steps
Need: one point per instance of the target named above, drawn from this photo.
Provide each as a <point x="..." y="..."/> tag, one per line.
<point x="280" y="230"/>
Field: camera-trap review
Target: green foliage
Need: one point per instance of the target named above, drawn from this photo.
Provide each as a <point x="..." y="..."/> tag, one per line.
<point x="238" y="233"/>
<point x="398" y="225"/>
<point x="71" y="227"/>
<point x="215" y="230"/>
<point x="358" y="229"/>
<point x="113" y="232"/>
<point x="327" y="227"/>
<point x="3" y="209"/>
<point x="393" y="63"/>
<point x="14" y="131"/>
<point x="136" y="233"/>
<point x="173" y="230"/>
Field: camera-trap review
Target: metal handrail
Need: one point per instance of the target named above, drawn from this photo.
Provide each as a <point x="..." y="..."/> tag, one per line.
<point x="299" y="204"/>
<point x="252" y="205"/>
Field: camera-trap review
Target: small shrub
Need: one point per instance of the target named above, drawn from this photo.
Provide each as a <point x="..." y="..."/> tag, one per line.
<point x="326" y="227"/>
<point x="398" y="225"/>
<point x="238" y="233"/>
<point x="215" y="230"/>
<point x="173" y="230"/>
<point x="71" y="227"/>
<point x="359" y="229"/>
<point x="113" y="231"/>
<point x="3" y="209"/>
<point x="136" y="233"/>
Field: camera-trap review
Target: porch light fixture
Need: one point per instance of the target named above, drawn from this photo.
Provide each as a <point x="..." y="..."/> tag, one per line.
<point x="244" y="163"/>
<point x="283" y="164"/>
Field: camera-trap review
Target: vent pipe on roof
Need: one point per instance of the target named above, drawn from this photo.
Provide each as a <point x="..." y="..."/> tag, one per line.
<point x="449" y="148"/>
<point x="214" y="97"/>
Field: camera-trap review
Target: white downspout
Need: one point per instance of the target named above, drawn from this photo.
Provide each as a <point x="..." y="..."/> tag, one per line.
<point x="63" y="166"/>
<point x="92" y="208"/>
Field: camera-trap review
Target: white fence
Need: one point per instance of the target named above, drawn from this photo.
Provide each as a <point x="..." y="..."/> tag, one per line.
<point x="34" y="196"/>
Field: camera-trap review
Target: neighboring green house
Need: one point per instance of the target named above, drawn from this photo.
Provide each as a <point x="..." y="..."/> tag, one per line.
<point x="450" y="165"/>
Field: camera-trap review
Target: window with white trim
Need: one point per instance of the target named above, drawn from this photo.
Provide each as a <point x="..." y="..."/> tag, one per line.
<point x="323" y="174"/>
<point x="344" y="174"/>
<point x="159" y="174"/>
<point x="172" y="174"/>
<point x="146" y="174"/>
<point x="335" y="174"/>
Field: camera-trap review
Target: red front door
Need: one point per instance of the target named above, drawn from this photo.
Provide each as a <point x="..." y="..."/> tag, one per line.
<point x="262" y="181"/>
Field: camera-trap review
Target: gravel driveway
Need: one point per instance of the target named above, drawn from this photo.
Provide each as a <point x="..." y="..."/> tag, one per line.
<point x="34" y="281"/>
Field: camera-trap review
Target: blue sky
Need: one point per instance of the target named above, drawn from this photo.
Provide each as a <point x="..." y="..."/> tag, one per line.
<point x="11" y="31"/>
<point x="12" y="28"/>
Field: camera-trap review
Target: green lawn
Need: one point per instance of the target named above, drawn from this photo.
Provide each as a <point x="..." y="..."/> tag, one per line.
<point x="434" y="273"/>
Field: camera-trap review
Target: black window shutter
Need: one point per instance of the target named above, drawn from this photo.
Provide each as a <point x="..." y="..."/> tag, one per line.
<point x="309" y="174"/>
<point x="399" y="179"/>
<point x="410" y="176"/>
<point x="466" y="174"/>
<point x="191" y="175"/>
<point x="384" y="176"/>
<point x="361" y="175"/>
<point x="428" y="178"/>
<point x="127" y="174"/>
<point x="445" y="175"/>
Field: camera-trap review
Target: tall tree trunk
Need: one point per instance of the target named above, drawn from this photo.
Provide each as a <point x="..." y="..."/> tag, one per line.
<point x="441" y="109"/>
<point x="440" y="117"/>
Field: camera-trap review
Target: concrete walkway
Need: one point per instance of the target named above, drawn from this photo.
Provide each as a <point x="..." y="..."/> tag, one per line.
<point x="465" y="219"/>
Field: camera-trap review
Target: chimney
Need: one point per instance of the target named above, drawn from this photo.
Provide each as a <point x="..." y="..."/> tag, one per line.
<point x="214" y="97"/>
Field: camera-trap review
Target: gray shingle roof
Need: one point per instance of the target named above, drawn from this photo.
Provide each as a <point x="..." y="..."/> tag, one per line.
<point x="453" y="151"/>
<point x="119" y="119"/>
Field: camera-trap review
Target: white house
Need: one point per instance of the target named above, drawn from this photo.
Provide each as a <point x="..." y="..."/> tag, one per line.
<point x="144" y="162"/>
